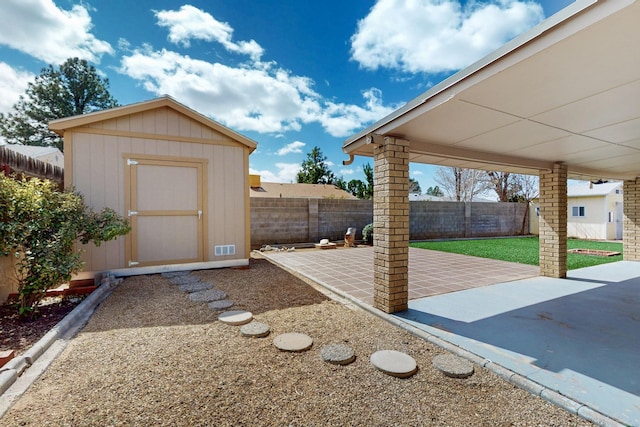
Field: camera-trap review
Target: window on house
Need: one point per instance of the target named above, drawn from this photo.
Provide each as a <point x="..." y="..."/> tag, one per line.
<point x="577" y="211"/>
<point x="537" y="211"/>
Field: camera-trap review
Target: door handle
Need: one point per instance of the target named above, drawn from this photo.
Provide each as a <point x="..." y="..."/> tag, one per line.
<point x="199" y="214"/>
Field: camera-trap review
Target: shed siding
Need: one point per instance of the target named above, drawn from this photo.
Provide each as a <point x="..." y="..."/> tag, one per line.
<point x="99" y="170"/>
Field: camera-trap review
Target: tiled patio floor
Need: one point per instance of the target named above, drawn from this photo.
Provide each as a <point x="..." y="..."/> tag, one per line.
<point x="350" y="270"/>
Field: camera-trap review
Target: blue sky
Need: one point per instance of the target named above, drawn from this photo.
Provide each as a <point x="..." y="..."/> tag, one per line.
<point x="290" y="74"/>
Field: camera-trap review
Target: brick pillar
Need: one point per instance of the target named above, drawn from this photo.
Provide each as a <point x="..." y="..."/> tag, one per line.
<point x="553" y="221"/>
<point x="391" y="225"/>
<point x="631" y="220"/>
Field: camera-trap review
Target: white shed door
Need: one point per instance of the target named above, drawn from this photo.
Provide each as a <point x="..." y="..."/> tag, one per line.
<point x="166" y="211"/>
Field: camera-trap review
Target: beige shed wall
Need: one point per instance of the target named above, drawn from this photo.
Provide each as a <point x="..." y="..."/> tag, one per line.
<point x="97" y="170"/>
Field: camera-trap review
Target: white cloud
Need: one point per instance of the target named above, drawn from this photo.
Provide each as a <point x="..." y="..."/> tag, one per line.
<point x="294" y="147"/>
<point x="262" y="98"/>
<point x="40" y="29"/>
<point x="13" y="83"/>
<point x="286" y="173"/>
<point x="416" y="173"/>
<point x="347" y="172"/>
<point x="437" y="35"/>
<point x="192" y="23"/>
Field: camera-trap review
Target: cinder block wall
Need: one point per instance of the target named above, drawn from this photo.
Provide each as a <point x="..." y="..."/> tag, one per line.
<point x="290" y="220"/>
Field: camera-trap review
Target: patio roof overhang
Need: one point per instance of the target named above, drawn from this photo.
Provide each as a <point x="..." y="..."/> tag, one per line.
<point x="566" y="91"/>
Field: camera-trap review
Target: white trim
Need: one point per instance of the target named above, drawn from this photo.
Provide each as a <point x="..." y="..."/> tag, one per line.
<point x="157" y="269"/>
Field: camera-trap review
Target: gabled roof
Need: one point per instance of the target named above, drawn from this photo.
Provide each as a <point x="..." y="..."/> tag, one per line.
<point x="586" y="189"/>
<point x="567" y="91"/>
<point x="61" y="125"/>
<point x="310" y="191"/>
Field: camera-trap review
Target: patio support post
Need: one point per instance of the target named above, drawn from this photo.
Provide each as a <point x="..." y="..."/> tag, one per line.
<point x="553" y="221"/>
<point x="391" y="225"/>
<point x="631" y="220"/>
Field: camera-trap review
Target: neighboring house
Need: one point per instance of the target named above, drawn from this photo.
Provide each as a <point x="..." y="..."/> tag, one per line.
<point x="594" y="211"/>
<point x="50" y="155"/>
<point x="312" y="191"/>
<point x="180" y="178"/>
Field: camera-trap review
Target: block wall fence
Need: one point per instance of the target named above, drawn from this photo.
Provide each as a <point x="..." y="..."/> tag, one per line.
<point x="282" y="221"/>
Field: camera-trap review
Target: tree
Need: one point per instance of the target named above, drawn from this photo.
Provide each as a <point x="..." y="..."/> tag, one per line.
<point x="71" y="89"/>
<point x="505" y="184"/>
<point x="360" y="189"/>
<point x="434" y="191"/>
<point x="461" y="184"/>
<point x="315" y="169"/>
<point x="414" y="186"/>
<point x="39" y="228"/>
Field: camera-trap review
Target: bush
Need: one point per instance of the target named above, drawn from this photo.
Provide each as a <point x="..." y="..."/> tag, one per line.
<point x="367" y="234"/>
<point x="40" y="226"/>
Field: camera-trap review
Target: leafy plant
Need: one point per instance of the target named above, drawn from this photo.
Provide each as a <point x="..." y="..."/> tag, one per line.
<point x="367" y="234"/>
<point x="40" y="226"/>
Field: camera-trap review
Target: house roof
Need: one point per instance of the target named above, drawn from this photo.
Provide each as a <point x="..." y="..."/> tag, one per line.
<point x="61" y="125"/>
<point x="585" y="189"/>
<point x="567" y="91"/>
<point x="313" y="191"/>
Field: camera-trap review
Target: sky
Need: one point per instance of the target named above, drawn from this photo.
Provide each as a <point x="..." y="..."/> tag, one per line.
<point x="289" y="74"/>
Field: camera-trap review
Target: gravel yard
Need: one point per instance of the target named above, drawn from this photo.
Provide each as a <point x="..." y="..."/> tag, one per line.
<point x="152" y="357"/>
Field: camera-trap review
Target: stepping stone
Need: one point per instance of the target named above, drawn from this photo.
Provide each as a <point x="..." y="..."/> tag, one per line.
<point x="338" y="354"/>
<point x="453" y="366"/>
<point x="172" y="274"/>
<point x="196" y="287"/>
<point x="220" y="305"/>
<point x="235" y="317"/>
<point x="208" y="295"/>
<point x="394" y="363"/>
<point x="293" y="341"/>
<point x="255" y="330"/>
<point x="183" y="280"/>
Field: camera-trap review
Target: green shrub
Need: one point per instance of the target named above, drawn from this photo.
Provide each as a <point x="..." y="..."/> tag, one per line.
<point x="40" y="226"/>
<point x="367" y="234"/>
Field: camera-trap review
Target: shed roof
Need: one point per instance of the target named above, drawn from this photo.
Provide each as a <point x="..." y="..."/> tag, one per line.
<point x="61" y="125"/>
<point x="567" y="91"/>
<point x="313" y="191"/>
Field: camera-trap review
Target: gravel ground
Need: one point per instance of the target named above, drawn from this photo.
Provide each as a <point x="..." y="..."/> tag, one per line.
<point x="150" y="356"/>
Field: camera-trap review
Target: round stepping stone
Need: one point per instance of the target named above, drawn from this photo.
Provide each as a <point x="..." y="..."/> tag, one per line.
<point x="236" y="317"/>
<point x="255" y="330"/>
<point x="183" y="280"/>
<point x="394" y="363"/>
<point x="338" y="354"/>
<point x="196" y="287"/>
<point x="220" y="305"/>
<point x="208" y="295"/>
<point x="453" y="366"/>
<point x="172" y="274"/>
<point x="293" y="341"/>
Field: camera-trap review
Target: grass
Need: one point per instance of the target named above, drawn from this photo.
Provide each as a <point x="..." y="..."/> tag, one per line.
<point x="523" y="250"/>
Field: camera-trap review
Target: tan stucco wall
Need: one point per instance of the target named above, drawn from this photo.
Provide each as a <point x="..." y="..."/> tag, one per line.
<point x="8" y="282"/>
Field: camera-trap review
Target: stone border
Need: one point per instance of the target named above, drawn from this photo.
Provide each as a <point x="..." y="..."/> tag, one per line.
<point x="64" y="330"/>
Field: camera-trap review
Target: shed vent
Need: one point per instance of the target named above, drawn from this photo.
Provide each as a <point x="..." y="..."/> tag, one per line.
<point x="225" y="250"/>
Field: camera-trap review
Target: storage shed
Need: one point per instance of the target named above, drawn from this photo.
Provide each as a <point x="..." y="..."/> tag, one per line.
<point x="180" y="178"/>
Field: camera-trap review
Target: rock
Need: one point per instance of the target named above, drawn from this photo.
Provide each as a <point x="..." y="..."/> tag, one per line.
<point x="207" y="295"/>
<point x="183" y="280"/>
<point x="394" y="363"/>
<point x="453" y="366"/>
<point x="293" y="341"/>
<point x="338" y="354"/>
<point x="220" y="305"/>
<point x="255" y="330"/>
<point x="236" y="317"/>
<point x="196" y="287"/>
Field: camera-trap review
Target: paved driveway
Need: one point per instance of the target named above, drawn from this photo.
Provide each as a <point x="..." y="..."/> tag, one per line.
<point x="578" y="336"/>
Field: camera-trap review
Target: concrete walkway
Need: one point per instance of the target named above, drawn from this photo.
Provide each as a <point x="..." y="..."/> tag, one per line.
<point x="578" y="336"/>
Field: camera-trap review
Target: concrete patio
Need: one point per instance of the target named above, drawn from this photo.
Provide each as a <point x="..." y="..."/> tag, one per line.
<point x="578" y="336"/>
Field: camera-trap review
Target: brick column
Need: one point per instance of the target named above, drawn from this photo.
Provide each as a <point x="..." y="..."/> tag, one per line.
<point x="314" y="234"/>
<point x="391" y="225"/>
<point x="553" y="221"/>
<point x="631" y="220"/>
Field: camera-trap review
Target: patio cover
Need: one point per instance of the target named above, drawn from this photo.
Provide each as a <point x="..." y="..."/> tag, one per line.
<point x="567" y="91"/>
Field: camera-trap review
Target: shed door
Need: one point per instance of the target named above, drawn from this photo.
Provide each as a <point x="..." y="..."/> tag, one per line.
<point x="166" y="211"/>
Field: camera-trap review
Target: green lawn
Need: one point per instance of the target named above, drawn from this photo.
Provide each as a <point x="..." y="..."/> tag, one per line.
<point x="523" y="250"/>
